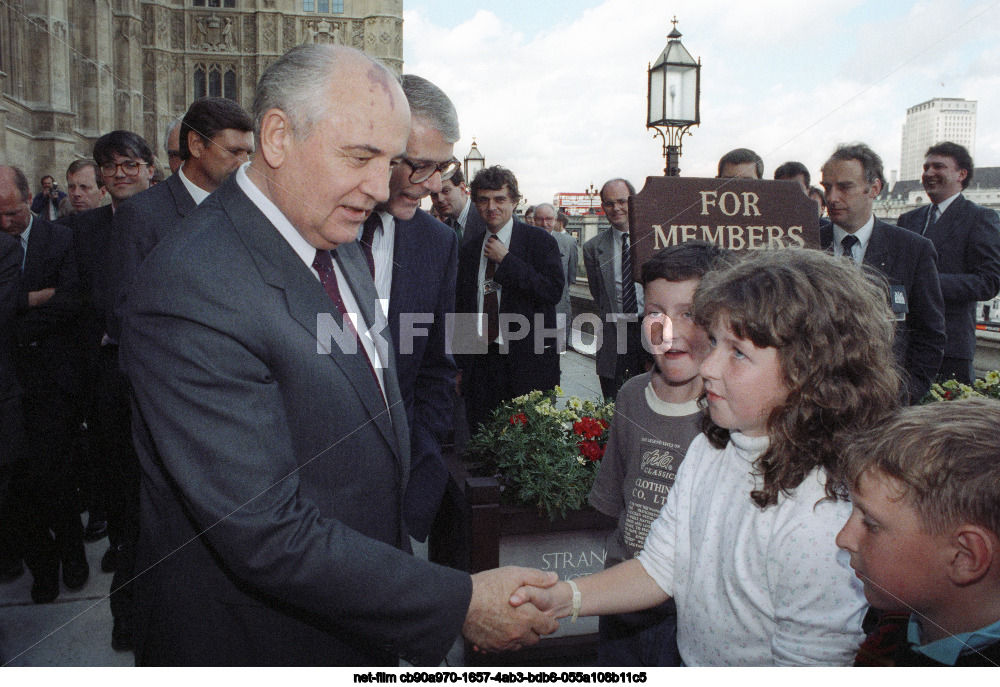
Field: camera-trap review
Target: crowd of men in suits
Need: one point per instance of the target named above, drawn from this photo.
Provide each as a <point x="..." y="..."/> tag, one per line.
<point x="268" y="348"/>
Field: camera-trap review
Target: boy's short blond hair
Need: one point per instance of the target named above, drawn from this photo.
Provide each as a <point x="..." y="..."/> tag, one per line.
<point x="946" y="456"/>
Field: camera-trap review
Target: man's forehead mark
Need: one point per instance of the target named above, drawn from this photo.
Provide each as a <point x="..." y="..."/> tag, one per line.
<point x="378" y="76"/>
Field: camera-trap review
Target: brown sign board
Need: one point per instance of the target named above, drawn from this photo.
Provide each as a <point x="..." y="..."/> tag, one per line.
<point x="738" y="214"/>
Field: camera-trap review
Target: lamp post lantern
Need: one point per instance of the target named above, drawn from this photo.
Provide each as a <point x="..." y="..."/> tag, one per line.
<point x="674" y="92"/>
<point x="474" y="163"/>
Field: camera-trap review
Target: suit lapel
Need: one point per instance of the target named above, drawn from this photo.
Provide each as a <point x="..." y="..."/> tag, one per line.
<point x="394" y="425"/>
<point x="877" y="250"/>
<point x="182" y="197"/>
<point x="942" y="229"/>
<point x="606" y="261"/>
<point x="282" y="268"/>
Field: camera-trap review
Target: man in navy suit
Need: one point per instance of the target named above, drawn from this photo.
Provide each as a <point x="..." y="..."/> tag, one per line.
<point x="852" y="178"/>
<point x="513" y="278"/>
<point x="967" y="239"/>
<point x="44" y="328"/>
<point x="268" y="417"/>
<point x="415" y="258"/>
<point x="455" y="205"/>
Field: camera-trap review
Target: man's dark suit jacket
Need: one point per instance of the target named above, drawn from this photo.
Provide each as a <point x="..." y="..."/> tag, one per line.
<point x="908" y="261"/>
<point x="531" y="281"/>
<point x="967" y="239"/>
<point x="139" y="224"/>
<point x="272" y="473"/>
<point x="11" y="416"/>
<point x="91" y="236"/>
<point x="425" y="256"/>
<point x="475" y="227"/>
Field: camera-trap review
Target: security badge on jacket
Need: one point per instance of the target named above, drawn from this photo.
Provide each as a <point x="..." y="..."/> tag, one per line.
<point x="897" y="301"/>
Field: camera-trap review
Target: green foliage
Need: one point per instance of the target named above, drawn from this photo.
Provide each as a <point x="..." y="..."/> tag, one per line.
<point x="545" y="457"/>
<point x="952" y="389"/>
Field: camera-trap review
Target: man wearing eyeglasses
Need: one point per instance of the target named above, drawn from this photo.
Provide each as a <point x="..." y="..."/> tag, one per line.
<point x="414" y="260"/>
<point x="125" y="163"/>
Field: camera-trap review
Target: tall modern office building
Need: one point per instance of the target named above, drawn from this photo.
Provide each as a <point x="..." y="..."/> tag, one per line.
<point x="73" y="70"/>
<point x="939" y="119"/>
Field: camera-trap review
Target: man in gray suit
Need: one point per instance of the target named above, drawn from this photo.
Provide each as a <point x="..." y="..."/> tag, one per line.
<point x="457" y="209"/>
<point x="547" y="218"/>
<point x="618" y="357"/>
<point x="272" y="435"/>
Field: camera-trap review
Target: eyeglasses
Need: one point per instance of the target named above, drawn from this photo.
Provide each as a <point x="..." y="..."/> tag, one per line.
<point x="422" y="171"/>
<point x="129" y="167"/>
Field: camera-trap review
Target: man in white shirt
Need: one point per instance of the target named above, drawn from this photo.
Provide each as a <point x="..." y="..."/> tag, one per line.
<point x="512" y="280"/>
<point x="852" y="178"/>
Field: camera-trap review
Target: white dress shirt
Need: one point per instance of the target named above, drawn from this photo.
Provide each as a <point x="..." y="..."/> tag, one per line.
<point x="197" y="192"/>
<point x="383" y="254"/>
<point x="504" y="237"/>
<point x="863" y="235"/>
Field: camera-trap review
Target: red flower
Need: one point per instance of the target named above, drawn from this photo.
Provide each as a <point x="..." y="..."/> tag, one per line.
<point x="519" y="419"/>
<point x="589" y="428"/>
<point x="591" y="450"/>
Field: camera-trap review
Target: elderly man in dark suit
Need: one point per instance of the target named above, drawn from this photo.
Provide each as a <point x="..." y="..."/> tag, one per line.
<point x="40" y="498"/>
<point x="607" y="258"/>
<point x="455" y="205"/>
<point x="510" y="281"/>
<point x="270" y="425"/>
<point x="852" y="178"/>
<point x="967" y="239"/>
<point x="414" y="262"/>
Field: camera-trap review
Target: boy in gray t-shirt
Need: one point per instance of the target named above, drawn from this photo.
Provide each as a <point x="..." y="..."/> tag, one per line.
<point x="656" y="419"/>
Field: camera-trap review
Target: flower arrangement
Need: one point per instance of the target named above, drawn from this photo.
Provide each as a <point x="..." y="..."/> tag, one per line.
<point x="952" y="389"/>
<point x="544" y="456"/>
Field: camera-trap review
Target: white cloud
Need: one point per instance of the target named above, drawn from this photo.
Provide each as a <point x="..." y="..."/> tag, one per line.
<point x="563" y="103"/>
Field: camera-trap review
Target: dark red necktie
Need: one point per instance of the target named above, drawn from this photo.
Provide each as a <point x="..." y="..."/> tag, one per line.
<point x="367" y="236"/>
<point x="323" y="264"/>
<point x="491" y="302"/>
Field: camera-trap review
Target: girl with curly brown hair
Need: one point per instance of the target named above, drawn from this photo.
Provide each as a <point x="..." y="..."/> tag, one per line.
<point x="801" y="360"/>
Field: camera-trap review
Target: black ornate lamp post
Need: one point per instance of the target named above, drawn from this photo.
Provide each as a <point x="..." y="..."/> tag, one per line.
<point x="474" y="163"/>
<point x="674" y="92"/>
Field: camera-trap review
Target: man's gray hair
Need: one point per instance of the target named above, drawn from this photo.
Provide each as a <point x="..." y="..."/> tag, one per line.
<point x="174" y="123"/>
<point x="429" y="104"/>
<point x="297" y="85"/>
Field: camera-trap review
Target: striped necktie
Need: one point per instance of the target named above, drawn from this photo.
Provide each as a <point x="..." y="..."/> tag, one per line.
<point x="629" y="303"/>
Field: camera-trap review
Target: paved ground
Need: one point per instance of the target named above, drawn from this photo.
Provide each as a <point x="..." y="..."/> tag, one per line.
<point x="76" y="629"/>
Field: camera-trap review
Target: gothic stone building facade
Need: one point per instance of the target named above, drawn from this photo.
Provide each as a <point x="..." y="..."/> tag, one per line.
<point x="72" y="70"/>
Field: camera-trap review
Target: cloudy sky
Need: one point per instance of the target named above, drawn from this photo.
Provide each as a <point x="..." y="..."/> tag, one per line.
<point x="556" y="89"/>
